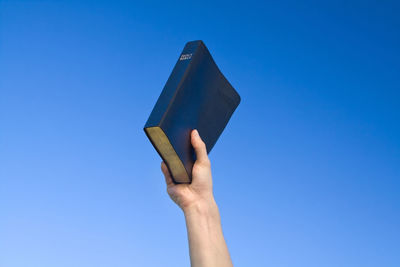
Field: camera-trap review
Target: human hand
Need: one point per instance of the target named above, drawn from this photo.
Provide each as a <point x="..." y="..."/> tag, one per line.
<point x="200" y="190"/>
<point x="206" y="241"/>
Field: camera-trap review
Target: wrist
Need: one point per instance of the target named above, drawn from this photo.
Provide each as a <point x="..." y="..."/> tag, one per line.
<point x="204" y="207"/>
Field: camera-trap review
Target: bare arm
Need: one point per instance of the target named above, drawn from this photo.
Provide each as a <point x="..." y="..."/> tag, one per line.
<point x="206" y="241"/>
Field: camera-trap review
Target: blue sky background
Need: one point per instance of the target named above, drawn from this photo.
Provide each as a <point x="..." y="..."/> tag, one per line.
<point x="307" y="172"/>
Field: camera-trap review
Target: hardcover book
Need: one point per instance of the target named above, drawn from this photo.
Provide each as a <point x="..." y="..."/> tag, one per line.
<point x="195" y="96"/>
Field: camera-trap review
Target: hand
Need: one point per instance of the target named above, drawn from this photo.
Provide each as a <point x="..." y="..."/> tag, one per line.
<point x="200" y="190"/>
<point x="207" y="245"/>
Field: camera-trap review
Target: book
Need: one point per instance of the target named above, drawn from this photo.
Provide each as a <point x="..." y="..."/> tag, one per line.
<point x="196" y="96"/>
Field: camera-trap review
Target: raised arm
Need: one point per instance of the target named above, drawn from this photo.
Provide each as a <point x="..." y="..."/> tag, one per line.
<point x="206" y="241"/>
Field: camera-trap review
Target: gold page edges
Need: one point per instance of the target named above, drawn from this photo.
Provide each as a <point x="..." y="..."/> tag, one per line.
<point x="164" y="147"/>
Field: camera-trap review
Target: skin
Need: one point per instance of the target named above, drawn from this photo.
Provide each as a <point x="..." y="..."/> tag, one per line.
<point x="207" y="245"/>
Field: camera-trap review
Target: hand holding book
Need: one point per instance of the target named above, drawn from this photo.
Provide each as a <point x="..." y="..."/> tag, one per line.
<point x="186" y="195"/>
<point x="206" y="240"/>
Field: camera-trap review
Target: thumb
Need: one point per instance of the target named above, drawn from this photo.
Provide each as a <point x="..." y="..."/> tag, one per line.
<point x="199" y="148"/>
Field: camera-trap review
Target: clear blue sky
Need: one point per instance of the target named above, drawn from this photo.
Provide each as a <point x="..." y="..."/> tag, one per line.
<point x="307" y="172"/>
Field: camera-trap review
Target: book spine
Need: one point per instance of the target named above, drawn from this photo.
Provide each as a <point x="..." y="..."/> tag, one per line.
<point x="172" y="85"/>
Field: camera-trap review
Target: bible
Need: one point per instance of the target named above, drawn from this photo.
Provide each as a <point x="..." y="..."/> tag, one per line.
<point x="196" y="96"/>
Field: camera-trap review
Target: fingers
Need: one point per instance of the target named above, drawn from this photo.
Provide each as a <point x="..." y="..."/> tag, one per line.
<point x="200" y="148"/>
<point x="167" y="175"/>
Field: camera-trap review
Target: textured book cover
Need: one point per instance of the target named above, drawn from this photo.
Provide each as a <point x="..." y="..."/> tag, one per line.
<point x="196" y="96"/>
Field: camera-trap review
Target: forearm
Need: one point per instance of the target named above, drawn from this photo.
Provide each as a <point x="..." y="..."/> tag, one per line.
<point x="206" y="241"/>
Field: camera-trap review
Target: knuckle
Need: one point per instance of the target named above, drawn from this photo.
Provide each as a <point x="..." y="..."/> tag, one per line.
<point x="205" y="162"/>
<point x="202" y="145"/>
